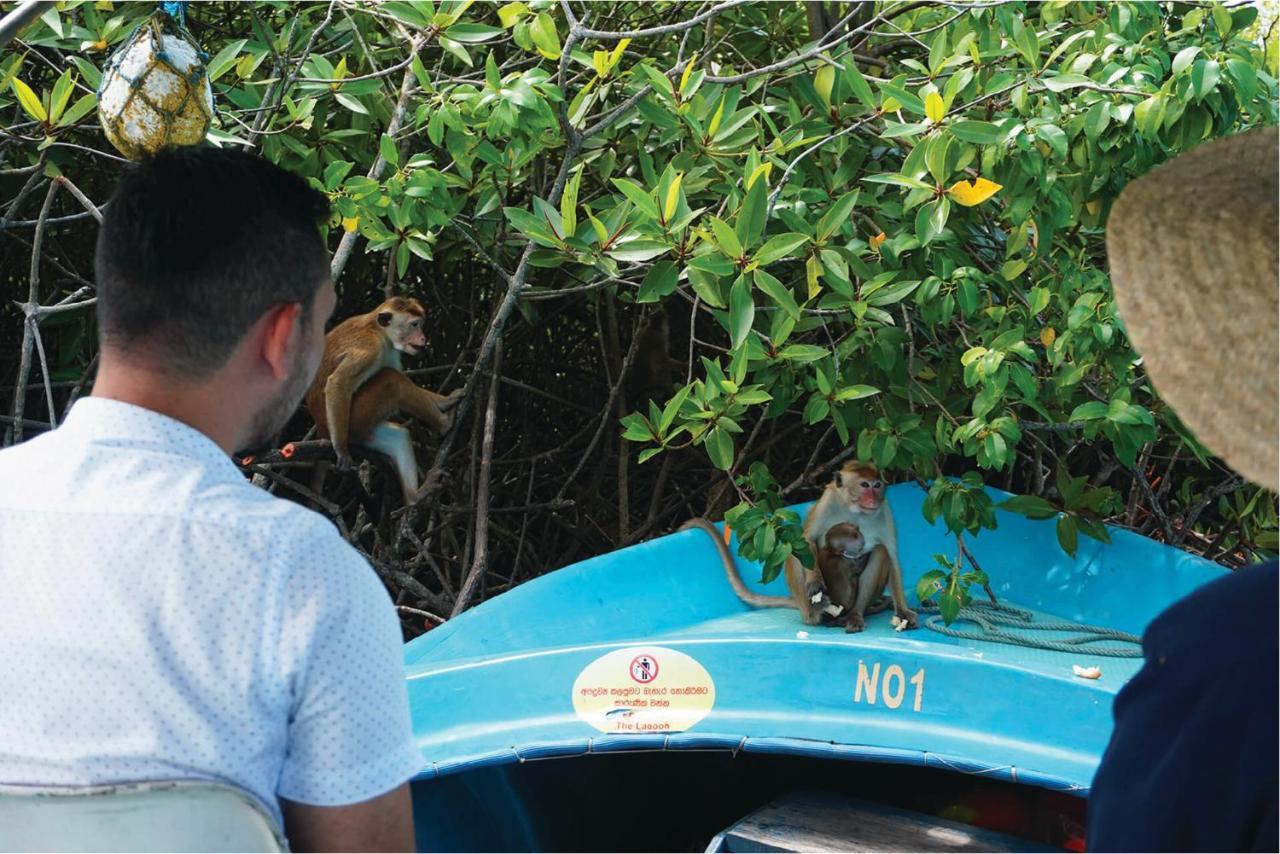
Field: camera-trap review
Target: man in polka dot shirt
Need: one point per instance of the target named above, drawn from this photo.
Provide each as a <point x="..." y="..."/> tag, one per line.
<point x="160" y="617"/>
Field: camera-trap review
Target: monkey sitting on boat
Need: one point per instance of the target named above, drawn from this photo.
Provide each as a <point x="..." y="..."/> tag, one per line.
<point x="842" y="560"/>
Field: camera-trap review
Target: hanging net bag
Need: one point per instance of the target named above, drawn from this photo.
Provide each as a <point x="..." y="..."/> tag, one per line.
<point x="155" y="89"/>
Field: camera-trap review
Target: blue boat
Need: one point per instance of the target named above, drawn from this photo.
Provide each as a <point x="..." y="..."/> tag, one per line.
<point x="633" y="702"/>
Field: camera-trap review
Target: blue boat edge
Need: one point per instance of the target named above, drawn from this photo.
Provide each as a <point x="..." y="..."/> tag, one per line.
<point x="670" y="594"/>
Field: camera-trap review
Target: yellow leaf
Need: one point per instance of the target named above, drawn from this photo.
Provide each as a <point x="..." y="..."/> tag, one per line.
<point x="812" y="270"/>
<point x="1048" y="336"/>
<point x="688" y="71"/>
<point x="823" y="81"/>
<point x="715" y="121"/>
<point x="511" y="13"/>
<point x="763" y="169"/>
<point x="1094" y="206"/>
<point x="245" y="67"/>
<point x="934" y="109"/>
<point x="105" y="6"/>
<point x="617" y="52"/>
<point x="973" y="193"/>
<point x="876" y="241"/>
<point x="600" y="62"/>
<point x="673" y="197"/>
<point x="30" y="101"/>
<point x="349" y="223"/>
<point x="891" y="105"/>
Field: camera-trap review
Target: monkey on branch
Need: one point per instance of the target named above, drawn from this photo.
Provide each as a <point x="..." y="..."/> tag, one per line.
<point x="360" y="387"/>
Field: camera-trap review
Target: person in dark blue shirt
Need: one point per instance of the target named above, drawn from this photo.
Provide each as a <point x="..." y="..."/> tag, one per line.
<point x="1192" y="762"/>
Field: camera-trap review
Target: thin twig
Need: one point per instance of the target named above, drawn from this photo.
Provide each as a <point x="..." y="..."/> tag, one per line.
<point x="481" y="559"/>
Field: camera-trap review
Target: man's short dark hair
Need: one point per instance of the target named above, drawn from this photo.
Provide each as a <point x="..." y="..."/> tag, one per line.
<point x="196" y="244"/>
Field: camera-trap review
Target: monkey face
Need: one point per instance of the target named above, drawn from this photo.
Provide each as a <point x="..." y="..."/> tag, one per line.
<point x="863" y="485"/>
<point x="846" y="540"/>
<point x="402" y="320"/>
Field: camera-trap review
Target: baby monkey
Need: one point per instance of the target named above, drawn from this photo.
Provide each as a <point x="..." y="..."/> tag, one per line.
<point x="842" y="560"/>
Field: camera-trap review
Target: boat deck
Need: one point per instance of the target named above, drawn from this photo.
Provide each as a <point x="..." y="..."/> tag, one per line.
<point x="542" y="671"/>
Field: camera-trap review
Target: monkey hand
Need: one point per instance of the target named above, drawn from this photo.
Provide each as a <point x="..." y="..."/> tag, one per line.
<point x="819" y="602"/>
<point x="342" y="456"/>
<point x="451" y="400"/>
<point x="906" y="615"/>
<point x="854" y="624"/>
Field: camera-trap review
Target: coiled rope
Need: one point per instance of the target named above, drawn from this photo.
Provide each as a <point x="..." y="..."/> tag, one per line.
<point x="990" y="618"/>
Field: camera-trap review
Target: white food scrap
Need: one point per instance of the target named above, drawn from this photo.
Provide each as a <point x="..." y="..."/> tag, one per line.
<point x="1086" y="672"/>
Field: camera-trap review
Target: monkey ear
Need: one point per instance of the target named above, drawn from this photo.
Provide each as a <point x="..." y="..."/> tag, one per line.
<point x="384" y="318"/>
<point x="836" y="478"/>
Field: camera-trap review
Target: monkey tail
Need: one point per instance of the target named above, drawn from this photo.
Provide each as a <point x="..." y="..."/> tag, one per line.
<point x="756" y="600"/>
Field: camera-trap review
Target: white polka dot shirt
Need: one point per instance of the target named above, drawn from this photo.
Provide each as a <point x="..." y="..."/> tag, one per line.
<point x="161" y="618"/>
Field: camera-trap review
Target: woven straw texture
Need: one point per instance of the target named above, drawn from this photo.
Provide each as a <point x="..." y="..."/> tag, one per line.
<point x="1193" y="248"/>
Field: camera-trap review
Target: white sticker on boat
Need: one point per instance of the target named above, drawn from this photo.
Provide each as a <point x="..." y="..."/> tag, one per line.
<point x="643" y="689"/>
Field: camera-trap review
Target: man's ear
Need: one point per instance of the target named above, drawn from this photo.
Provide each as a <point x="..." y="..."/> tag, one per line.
<point x="279" y="329"/>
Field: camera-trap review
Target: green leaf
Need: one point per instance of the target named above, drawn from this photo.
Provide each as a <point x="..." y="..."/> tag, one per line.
<point x="779" y="246"/>
<point x="350" y="103"/>
<point x="387" y="148"/>
<point x="719" y="446"/>
<point x="1013" y="269"/>
<point x="1222" y="18"/>
<point x="79" y="110"/>
<point x="890" y="294"/>
<point x="1096" y="120"/>
<point x="777" y="292"/>
<point x="742" y="311"/>
<point x="642" y="200"/>
<point x="836" y="215"/>
<point x="858" y="83"/>
<point x="1056" y="138"/>
<point x="726" y="238"/>
<point x="532" y="226"/>
<point x="1031" y="506"/>
<point x="751" y="219"/>
<point x="948" y="606"/>
<point x="823" y="81"/>
<point x="672" y="408"/>
<point x="892" y="130"/>
<point x="1246" y="77"/>
<point x="1204" y="77"/>
<point x="659" y="282"/>
<point x="898" y="180"/>
<point x="903" y="97"/>
<point x="569" y="203"/>
<point x="1067" y="534"/>
<point x="1183" y="60"/>
<point x="1063" y="82"/>
<point x="855" y="392"/>
<point x="803" y="353"/>
<point x="473" y="33"/>
<point x="1091" y="411"/>
<point x="979" y="133"/>
<point x="638" y="250"/>
<point x="62" y="90"/>
<point x="545" y="37"/>
<point x="456" y="49"/>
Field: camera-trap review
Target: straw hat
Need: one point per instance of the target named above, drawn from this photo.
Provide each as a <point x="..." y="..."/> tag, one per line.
<point x="1193" y="247"/>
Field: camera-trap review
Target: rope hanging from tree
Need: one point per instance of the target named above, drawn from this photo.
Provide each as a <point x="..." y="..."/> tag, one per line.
<point x="990" y="618"/>
<point x="155" y="89"/>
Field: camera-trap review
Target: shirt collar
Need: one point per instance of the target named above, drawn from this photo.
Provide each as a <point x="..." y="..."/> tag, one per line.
<point x="101" y="418"/>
